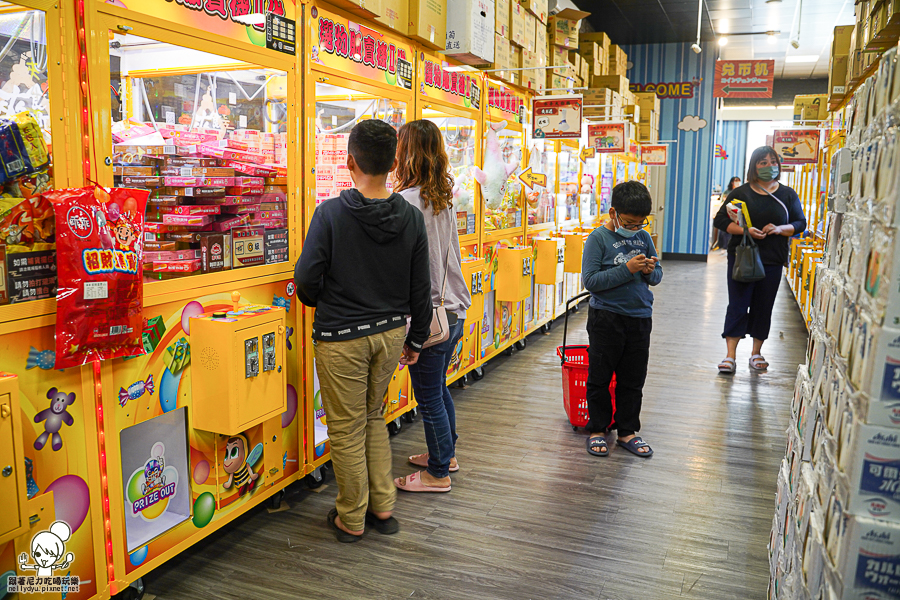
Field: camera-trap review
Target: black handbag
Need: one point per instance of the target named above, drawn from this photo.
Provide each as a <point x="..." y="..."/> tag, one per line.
<point x="748" y="265"/>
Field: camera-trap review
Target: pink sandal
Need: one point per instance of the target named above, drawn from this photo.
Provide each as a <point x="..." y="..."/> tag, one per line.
<point x="421" y="460"/>
<point x="413" y="483"/>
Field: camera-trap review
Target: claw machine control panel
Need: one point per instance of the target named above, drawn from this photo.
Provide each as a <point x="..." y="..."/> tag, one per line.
<point x="239" y="380"/>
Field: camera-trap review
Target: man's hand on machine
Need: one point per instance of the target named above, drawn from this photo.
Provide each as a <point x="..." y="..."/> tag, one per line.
<point x="409" y="356"/>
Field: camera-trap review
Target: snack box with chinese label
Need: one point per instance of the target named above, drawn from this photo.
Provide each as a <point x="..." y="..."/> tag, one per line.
<point x="869" y="558"/>
<point x="212" y="252"/>
<point x="247" y="246"/>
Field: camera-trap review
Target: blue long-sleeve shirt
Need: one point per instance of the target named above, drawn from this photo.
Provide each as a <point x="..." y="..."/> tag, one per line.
<point x="605" y="274"/>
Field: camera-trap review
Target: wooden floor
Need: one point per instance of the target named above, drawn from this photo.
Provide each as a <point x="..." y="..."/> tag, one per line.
<point x="531" y="514"/>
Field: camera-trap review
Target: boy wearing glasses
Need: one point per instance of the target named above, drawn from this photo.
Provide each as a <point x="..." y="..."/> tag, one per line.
<point x="618" y="267"/>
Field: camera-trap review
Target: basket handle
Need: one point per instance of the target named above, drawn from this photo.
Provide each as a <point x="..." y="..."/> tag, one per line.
<point x="566" y="323"/>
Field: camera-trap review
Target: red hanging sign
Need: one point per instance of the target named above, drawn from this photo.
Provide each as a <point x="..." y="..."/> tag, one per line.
<point x="744" y="79"/>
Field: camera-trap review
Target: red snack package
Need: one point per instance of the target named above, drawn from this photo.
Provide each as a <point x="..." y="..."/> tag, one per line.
<point x="99" y="255"/>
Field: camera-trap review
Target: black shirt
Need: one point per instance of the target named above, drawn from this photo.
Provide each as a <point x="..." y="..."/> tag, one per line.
<point x="364" y="266"/>
<point x="764" y="209"/>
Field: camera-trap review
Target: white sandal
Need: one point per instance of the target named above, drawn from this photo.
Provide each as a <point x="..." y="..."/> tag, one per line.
<point x="727" y="366"/>
<point x="758" y="363"/>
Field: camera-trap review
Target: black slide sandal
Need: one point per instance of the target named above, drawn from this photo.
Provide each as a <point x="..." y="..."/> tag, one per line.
<point x="339" y="534"/>
<point x="597" y="442"/>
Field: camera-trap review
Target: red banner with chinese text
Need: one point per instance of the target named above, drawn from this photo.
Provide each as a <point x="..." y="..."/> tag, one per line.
<point x="744" y="79"/>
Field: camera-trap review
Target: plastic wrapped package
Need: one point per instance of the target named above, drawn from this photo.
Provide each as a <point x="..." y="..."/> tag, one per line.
<point x="99" y="259"/>
<point x="22" y="147"/>
<point x="16" y="224"/>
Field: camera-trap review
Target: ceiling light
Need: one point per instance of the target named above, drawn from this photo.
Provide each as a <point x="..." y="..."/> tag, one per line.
<point x="723" y="25"/>
<point x="773" y="1"/>
<point x="802" y="58"/>
<point x="723" y="41"/>
<point x="770" y="39"/>
<point x="696" y="48"/>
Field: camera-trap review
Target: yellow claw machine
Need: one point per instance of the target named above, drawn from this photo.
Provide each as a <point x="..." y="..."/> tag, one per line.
<point x="450" y="96"/>
<point x="50" y="482"/>
<point x="503" y="202"/>
<point x="200" y="108"/>
<point x="356" y="70"/>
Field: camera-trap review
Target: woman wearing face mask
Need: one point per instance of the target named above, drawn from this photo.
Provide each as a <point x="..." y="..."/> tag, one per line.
<point x="775" y="215"/>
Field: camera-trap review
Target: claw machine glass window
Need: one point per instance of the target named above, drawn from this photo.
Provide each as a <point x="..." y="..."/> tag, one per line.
<point x="501" y="189"/>
<point x="541" y="200"/>
<point x="208" y="136"/>
<point x="450" y="95"/>
<point x="589" y="189"/>
<point x="567" y="199"/>
<point x="27" y="248"/>
<point x="338" y="110"/>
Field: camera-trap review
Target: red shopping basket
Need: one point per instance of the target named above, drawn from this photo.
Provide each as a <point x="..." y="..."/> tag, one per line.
<point x="574" y="361"/>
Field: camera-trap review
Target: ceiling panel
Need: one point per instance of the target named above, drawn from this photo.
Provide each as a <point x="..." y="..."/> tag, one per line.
<point x="663" y="21"/>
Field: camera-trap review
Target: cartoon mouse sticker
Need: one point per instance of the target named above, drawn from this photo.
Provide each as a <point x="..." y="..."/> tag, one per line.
<point x="153" y="471"/>
<point x="53" y="418"/>
<point x="48" y="551"/>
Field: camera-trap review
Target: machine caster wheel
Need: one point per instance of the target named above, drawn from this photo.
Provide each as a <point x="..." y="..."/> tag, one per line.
<point x="462" y="382"/>
<point x="394" y="427"/>
<point x="508" y="351"/>
<point x="574" y="428"/>
<point x="575" y="308"/>
<point x="316" y="478"/>
<point x="410" y="416"/>
<point x="547" y="326"/>
<point x="478" y="373"/>
<point x="521" y="344"/>
<point x="135" y="591"/>
<point x="274" y="501"/>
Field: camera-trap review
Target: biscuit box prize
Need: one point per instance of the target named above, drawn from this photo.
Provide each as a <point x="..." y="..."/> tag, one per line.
<point x="99" y="254"/>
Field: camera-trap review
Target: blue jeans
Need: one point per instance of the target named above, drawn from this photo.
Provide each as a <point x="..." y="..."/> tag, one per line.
<point x="429" y="379"/>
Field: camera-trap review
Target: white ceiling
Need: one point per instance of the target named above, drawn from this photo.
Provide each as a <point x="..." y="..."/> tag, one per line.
<point x="818" y="18"/>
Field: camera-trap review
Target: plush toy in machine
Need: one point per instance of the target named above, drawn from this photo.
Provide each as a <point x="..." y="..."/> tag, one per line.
<point x="464" y="192"/>
<point x="587" y="183"/>
<point x="496" y="173"/>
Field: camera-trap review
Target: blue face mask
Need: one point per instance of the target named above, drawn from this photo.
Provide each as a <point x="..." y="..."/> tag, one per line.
<point x="625" y="232"/>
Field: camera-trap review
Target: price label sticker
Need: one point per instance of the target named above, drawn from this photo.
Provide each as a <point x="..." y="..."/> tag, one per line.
<point x="170" y="117"/>
<point x="232" y="98"/>
<point x="95" y="290"/>
<point x="242" y="120"/>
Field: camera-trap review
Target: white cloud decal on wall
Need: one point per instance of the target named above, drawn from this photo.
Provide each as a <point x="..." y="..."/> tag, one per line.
<point x="692" y="123"/>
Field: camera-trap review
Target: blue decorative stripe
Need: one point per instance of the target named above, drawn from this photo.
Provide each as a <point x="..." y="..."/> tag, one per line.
<point x="690" y="170"/>
<point x="732" y="136"/>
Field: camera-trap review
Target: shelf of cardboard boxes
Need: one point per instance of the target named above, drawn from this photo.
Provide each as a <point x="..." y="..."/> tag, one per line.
<point x="856" y="49"/>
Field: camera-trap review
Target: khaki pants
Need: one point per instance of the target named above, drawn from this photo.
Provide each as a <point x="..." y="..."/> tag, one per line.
<point x="354" y="376"/>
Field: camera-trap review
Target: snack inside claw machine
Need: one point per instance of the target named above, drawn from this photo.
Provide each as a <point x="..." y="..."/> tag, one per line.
<point x="199" y="108"/>
<point x="503" y="203"/>
<point x="357" y="70"/>
<point x="450" y="96"/>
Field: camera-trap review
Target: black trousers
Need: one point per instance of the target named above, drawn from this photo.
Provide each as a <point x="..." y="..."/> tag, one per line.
<point x="750" y="304"/>
<point x="620" y="345"/>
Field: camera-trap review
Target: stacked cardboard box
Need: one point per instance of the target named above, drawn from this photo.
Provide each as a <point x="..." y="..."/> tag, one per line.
<point x="810" y="109"/>
<point x="538" y="8"/>
<point x="428" y="22"/>
<point x="470" y="29"/>
<point x="596" y="58"/>
<point x="563" y="32"/>
<point x="517" y="16"/>
<point x="838" y="67"/>
<point x="395" y="14"/>
<point x="613" y="82"/>
<point x="618" y="61"/>
<point x="501" y="18"/>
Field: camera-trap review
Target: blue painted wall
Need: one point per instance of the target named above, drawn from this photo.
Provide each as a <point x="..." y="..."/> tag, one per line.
<point x="690" y="171"/>
<point x="732" y="135"/>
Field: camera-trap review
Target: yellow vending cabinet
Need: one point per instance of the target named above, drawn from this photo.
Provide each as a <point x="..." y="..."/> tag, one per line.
<point x="548" y="273"/>
<point x="465" y="357"/>
<point x="343" y="86"/>
<point x="452" y="100"/>
<point x="204" y="115"/>
<point x="540" y="180"/>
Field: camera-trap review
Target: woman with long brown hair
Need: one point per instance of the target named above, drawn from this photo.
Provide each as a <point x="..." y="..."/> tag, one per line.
<point x="423" y="177"/>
